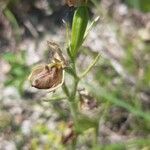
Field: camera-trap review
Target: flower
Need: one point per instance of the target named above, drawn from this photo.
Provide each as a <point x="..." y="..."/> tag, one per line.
<point x="49" y="76"/>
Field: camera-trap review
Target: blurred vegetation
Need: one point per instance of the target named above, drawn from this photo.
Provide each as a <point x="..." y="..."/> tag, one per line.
<point x="110" y="89"/>
<point x="142" y="5"/>
<point x="19" y="70"/>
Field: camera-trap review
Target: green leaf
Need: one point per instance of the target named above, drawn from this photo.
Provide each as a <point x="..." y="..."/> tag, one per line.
<point x="89" y="67"/>
<point x="80" y="21"/>
<point x="91" y="26"/>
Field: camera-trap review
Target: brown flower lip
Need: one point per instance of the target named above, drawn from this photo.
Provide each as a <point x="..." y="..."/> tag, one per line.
<point x="49" y="76"/>
<point x="46" y="76"/>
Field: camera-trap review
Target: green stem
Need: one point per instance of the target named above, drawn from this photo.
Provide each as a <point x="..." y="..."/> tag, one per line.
<point x="71" y="97"/>
<point x="73" y="104"/>
<point x="96" y="134"/>
<point x="75" y="86"/>
<point x="65" y="89"/>
<point x="89" y="67"/>
<point x="73" y="110"/>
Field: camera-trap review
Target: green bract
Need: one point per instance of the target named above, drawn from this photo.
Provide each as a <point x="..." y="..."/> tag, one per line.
<point x="80" y="21"/>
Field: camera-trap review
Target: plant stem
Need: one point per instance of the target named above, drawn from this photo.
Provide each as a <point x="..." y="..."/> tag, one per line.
<point x="65" y="89"/>
<point x="75" y="86"/>
<point x="72" y="95"/>
<point x="73" y="104"/>
<point x="73" y="112"/>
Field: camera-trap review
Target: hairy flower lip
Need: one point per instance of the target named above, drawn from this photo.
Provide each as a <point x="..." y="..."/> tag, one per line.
<point x="50" y="76"/>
